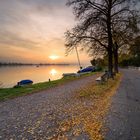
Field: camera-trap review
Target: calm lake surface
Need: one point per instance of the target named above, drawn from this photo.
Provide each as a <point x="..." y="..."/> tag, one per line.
<point x="10" y="75"/>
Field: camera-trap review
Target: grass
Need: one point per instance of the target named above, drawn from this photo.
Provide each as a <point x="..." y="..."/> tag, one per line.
<point x="6" y="93"/>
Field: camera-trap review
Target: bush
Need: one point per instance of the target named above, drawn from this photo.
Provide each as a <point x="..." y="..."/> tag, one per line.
<point x="99" y="68"/>
<point x="133" y="61"/>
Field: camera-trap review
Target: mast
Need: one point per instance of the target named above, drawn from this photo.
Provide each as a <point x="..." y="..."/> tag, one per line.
<point x="78" y="58"/>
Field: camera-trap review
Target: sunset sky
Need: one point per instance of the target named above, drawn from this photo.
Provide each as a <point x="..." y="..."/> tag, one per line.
<point x="33" y="31"/>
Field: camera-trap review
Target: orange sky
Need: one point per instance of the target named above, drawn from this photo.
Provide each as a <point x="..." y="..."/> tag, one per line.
<point x="33" y="30"/>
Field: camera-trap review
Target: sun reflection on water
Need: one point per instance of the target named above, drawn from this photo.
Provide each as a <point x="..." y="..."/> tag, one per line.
<point x="53" y="72"/>
<point x="9" y="76"/>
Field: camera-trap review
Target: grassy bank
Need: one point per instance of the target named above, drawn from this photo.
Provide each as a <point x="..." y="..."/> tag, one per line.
<point x="93" y="104"/>
<point x="6" y="93"/>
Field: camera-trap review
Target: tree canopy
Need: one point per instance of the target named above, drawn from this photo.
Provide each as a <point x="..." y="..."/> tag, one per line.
<point x="135" y="48"/>
<point x="100" y="22"/>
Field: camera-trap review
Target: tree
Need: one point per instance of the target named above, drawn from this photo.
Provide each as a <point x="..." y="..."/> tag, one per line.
<point x="94" y="29"/>
<point x="132" y="58"/>
<point x="93" y="62"/>
<point x="124" y="29"/>
<point x="99" y="62"/>
<point x="135" y="48"/>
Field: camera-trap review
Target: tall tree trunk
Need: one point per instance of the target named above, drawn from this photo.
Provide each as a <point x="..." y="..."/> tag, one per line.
<point x="115" y="52"/>
<point x="110" y="42"/>
<point x="110" y="63"/>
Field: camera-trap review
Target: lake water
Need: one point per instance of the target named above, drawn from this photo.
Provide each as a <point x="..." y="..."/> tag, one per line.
<point x="9" y="76"/>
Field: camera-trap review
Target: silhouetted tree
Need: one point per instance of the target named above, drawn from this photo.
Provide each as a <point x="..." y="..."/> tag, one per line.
<point x="135" y="48"/>
<point x="93" y="62"/>
<point x="94" y="29"/>
<point x="124" y="30"/>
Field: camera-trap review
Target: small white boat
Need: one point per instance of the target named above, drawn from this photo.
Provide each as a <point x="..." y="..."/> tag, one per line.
<point x="71" y="74"/>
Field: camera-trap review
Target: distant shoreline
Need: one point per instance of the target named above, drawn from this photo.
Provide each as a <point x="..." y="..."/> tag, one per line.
<point x="30" y="64"/>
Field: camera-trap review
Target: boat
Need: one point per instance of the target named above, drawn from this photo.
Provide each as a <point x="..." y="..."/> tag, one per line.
<point x="24" y="82"/>
<point x="70" y="74"/>
<point x="87" y="69"/>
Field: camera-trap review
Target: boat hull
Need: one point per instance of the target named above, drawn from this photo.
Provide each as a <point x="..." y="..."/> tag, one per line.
<point x="24" y="82"/>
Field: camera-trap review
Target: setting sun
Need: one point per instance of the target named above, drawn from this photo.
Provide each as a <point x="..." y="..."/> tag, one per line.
<point x="53" y="57"/>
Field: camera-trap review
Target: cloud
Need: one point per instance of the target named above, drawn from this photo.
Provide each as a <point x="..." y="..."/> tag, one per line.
<point x="35" y="19"/>
<point x="13" y="39"/>
<point x="33" y="27"/>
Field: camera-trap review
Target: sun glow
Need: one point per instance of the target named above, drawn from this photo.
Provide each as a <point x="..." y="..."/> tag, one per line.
<point x="53" y="57"/>
<point x="53" y="72"/>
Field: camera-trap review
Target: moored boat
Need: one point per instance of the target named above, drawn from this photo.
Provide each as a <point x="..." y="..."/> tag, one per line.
<point x="70" y="74"/>
<point x="24" y="82"/>
<point x="87" y="69"/>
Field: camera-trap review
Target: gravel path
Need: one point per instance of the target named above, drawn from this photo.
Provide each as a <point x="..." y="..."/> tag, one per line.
<point x="37" y="116"/>
<point x="123" y="120"/>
